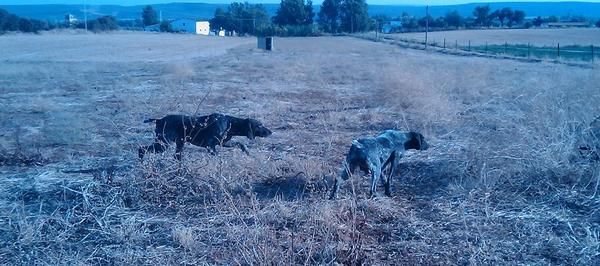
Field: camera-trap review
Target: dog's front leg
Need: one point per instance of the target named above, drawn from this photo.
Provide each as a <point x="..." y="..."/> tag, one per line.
<point x="179" y="148"/>
<point x="213" y="150"/>
<point x="346" y="171"/>
<point x="233" y="144"/>
<point x="393" y="170"/>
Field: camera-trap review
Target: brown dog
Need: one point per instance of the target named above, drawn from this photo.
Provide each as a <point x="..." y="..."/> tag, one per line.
<point x="204" y="131"/>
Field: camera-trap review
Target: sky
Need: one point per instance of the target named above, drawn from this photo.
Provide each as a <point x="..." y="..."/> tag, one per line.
<point x="372" y="2"/>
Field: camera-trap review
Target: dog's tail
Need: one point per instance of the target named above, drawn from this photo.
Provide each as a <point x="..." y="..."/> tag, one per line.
<point x="357" y="144"/>
<point x="150" y="120"/>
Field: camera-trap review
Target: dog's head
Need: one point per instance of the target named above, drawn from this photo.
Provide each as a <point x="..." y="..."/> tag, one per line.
<point x="256" y="129"/>
<point x="416" y="141"/>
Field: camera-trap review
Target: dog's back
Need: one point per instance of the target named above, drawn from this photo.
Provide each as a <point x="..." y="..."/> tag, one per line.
<point x="361" y="151"/>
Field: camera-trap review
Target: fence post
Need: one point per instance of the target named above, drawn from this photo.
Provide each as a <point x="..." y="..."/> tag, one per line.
<point x="445" y="45"/>
<point x="528" y="50"/>
<point x="558" y="50"/>
<point x="486" y="47"/>
<point x="469" y="45"/>
<point x="456" y="45"/>
<point x="505" y="47"/>
<point x="592" y="53"/>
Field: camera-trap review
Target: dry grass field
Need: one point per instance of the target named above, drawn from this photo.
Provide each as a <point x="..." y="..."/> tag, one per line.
<point x="536" y="37"/>
<point x="502" y="183"/>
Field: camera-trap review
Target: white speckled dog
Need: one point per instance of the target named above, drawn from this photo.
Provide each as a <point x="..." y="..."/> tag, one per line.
<point x="372" y="155"/>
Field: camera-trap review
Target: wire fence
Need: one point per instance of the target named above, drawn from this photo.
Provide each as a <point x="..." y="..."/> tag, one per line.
<point x="588" y="53"/>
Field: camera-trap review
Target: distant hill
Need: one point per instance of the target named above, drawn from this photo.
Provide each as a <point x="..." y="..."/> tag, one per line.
<point x="205" y="11"/>
<point x="532" y="9"/>
<point x="169" y="11"/>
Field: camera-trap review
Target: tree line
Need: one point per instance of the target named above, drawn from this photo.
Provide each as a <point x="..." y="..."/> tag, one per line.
<point x="482" y="17"/>
<point x="12" y="22"/>
<point x="294" y="18"/>
<point x="297" y="18"/>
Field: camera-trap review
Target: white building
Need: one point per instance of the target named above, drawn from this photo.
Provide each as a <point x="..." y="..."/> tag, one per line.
<point x="202" y="27"/>
<point x="70" y="20"/>
<point x="191" y="26"/>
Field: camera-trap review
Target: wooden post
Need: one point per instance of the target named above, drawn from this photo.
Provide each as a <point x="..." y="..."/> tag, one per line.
<point x="486" y="47"/>
<point x="445" y="46"/>
<point x="528" y="50"/>
<point x="469" y="45"/>
<point x="456" y="45"/>
<point x="505" y="48"/>
<point x="558" y="50"/>
<point x="592" y="53"/>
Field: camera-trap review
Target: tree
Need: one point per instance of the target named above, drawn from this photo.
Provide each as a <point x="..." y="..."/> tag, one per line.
<point x="149" y="16"/>
<point x="504" y="14"/>
<point x="241" y="17"/>
<point x="3" y="20"/>
<point x="165" y="26"/>
<point x="105" y="23"/>
<point x="354" y="16"/>
<point x="453" y="19"/>
<point x="261" y="17"/>
<point x="221" y="20"/>
<point x="440" y="22"/>
<point x="494" y="15"/>
<point x="293" y="12"/>
<point x="25" y="25"/>
<point x="11" y="22"/>
<point x="310" y="13"/>
<point x="538" y="21"/>
<point x="517" y="17"/>
<point x="329" y="15"/>
<point x="380" y="19"/>
<point x="552" y="19"/>
<point x="408" y="22"/>
<point x="424" y="21"/>
<point x="482" y="14"/>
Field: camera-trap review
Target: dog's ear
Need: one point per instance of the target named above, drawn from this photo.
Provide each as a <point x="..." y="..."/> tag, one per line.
<point x="250" y="133"/>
